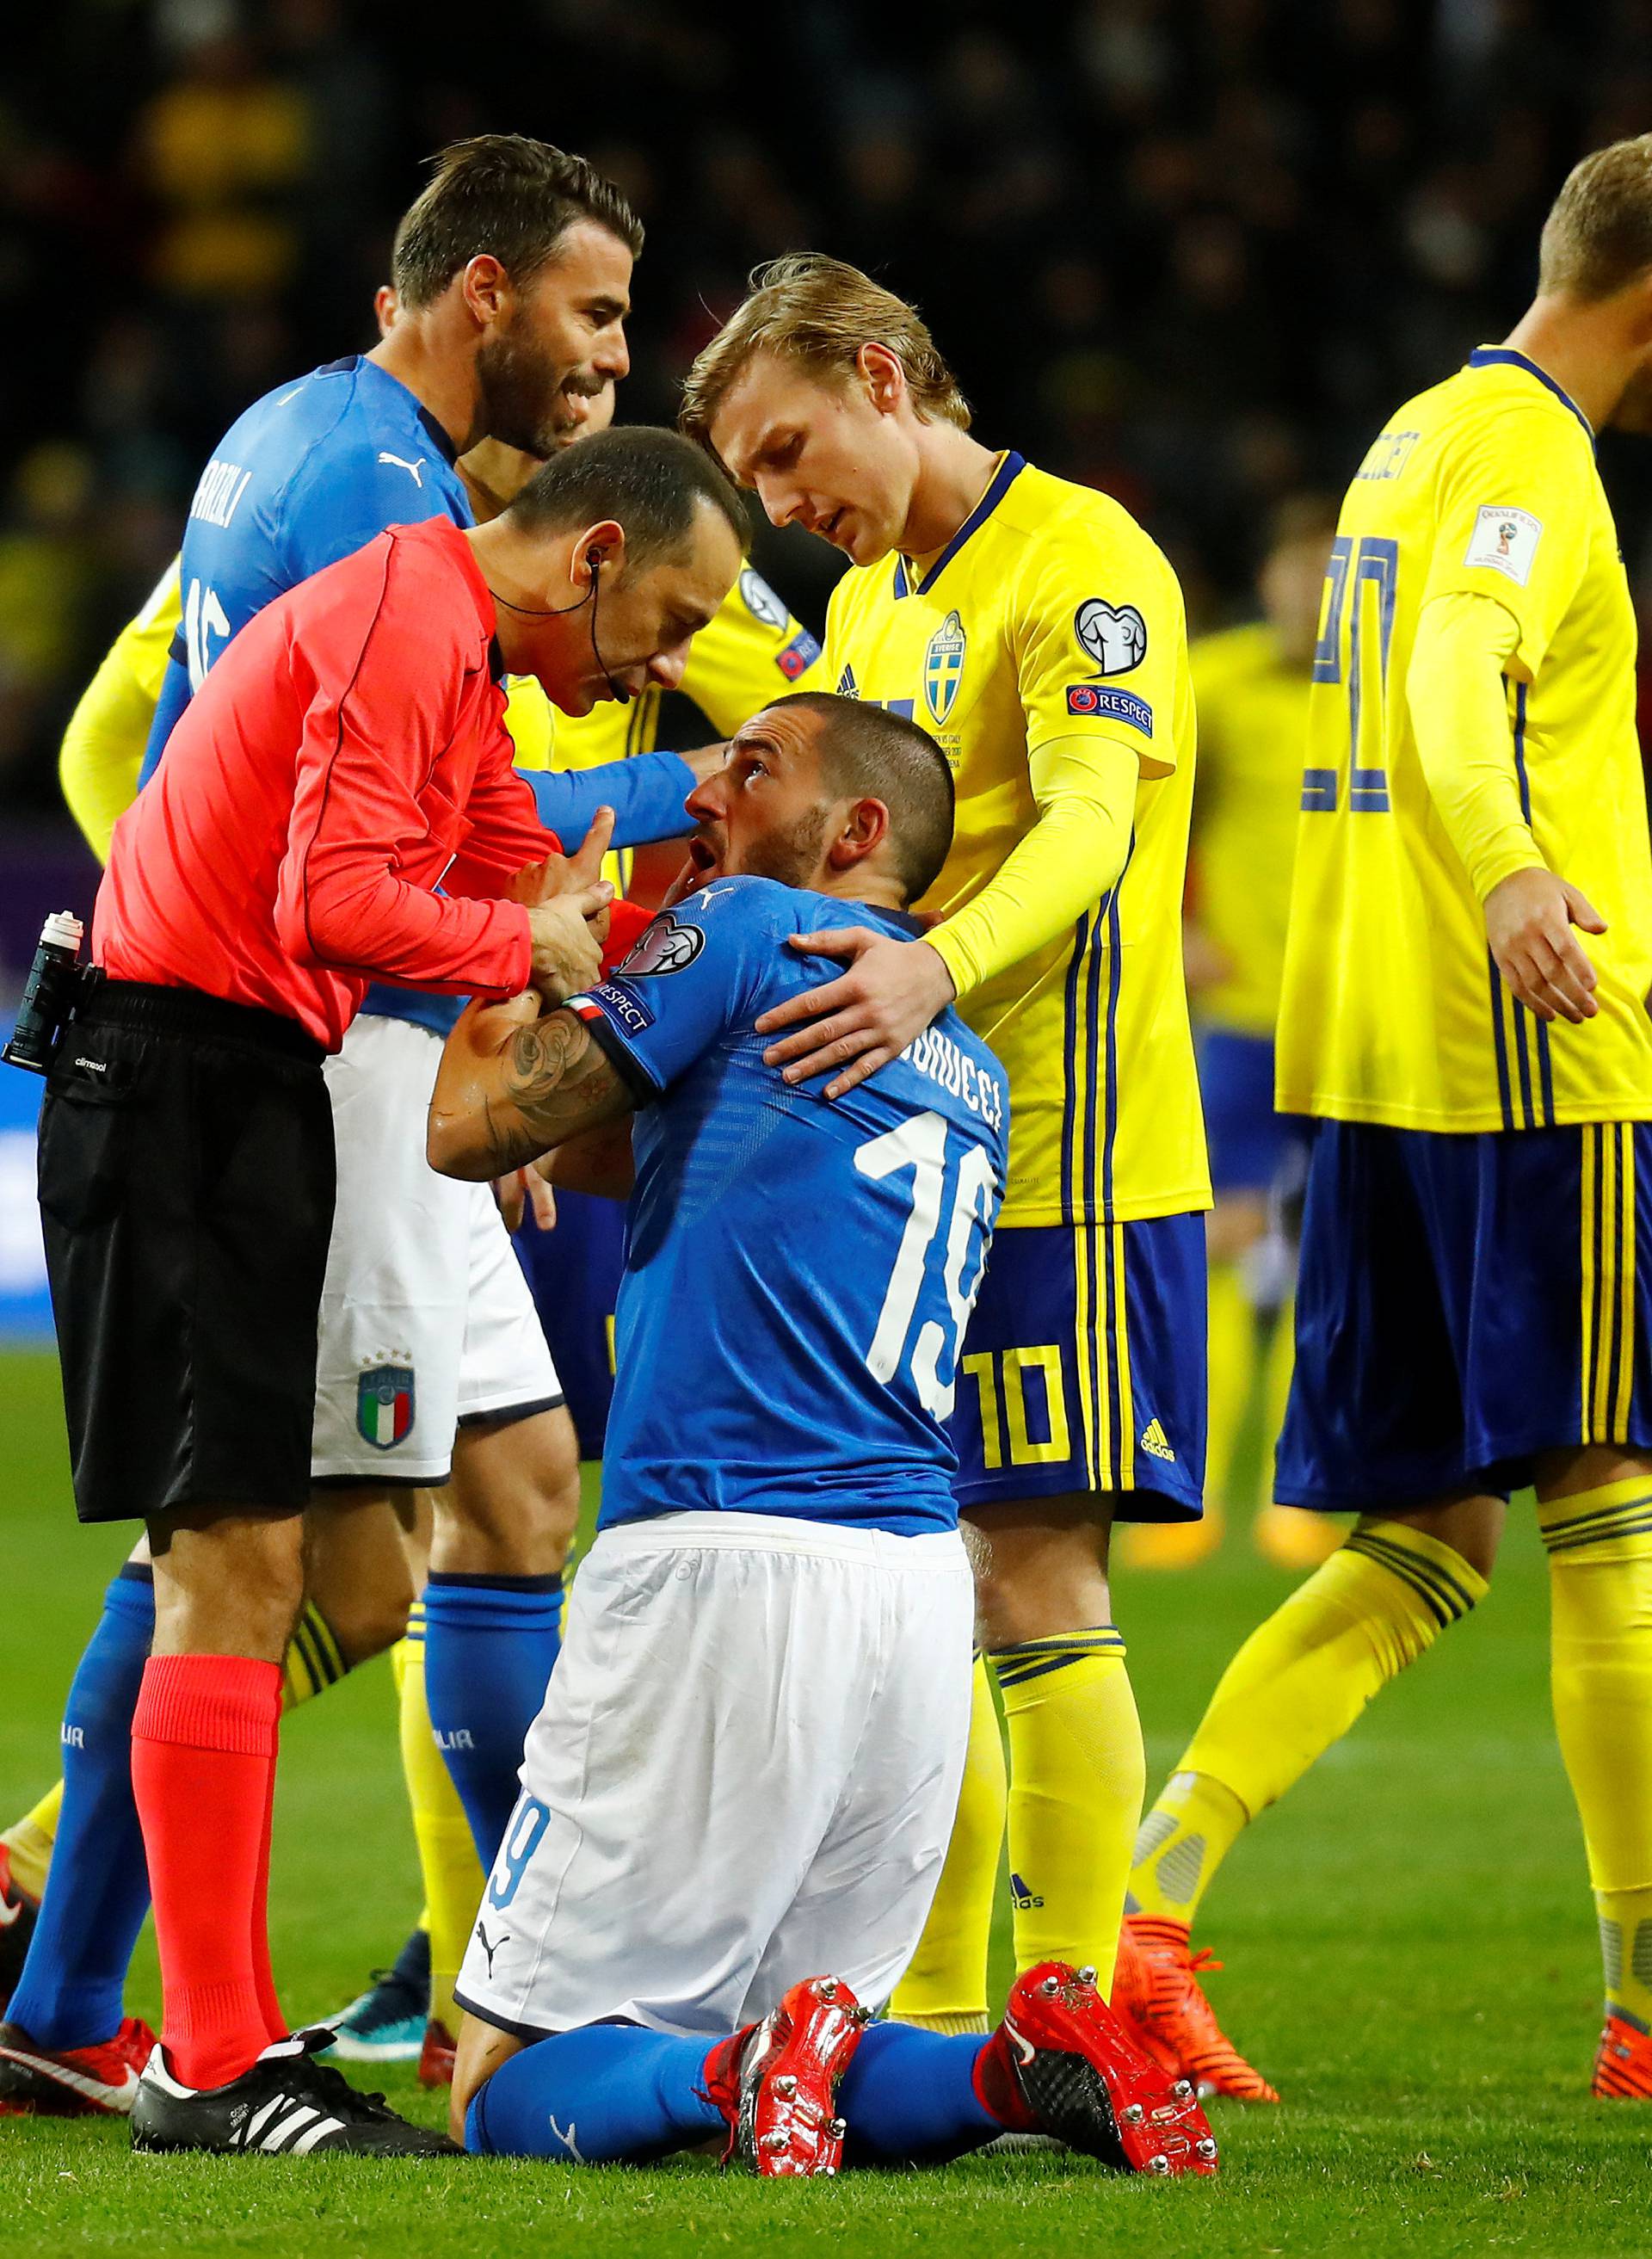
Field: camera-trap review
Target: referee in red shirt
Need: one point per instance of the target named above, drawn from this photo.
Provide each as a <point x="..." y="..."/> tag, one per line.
<point x="344" y="759"/>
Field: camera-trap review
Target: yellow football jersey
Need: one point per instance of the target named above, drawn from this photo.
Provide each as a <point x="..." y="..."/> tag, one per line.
<point x="1050" y="617"/>
<point x="1392" y="1011"/>
<point x="1252" y="710"/>
<point x="102" y="747"/>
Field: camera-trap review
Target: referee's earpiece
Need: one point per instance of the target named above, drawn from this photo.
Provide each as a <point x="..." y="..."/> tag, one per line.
<point x="594" y="560"/>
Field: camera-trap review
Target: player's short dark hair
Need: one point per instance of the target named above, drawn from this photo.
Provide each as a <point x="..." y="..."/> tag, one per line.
<point x="865" y="751"/>
<point x="505" y="194"/>
<point x="652" y="481"/>
<point x="1598" y="235"/>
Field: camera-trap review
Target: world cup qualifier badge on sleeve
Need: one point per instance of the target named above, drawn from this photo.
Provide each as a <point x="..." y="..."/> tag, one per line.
<point x="385" y="1405"/>
<point x="1114" y="638"/>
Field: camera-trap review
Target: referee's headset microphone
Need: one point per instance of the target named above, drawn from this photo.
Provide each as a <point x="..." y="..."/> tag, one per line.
<point x="593" y="561"/>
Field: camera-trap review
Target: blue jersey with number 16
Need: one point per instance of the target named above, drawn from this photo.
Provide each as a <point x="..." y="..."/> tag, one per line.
<point x="799" y="1272"/>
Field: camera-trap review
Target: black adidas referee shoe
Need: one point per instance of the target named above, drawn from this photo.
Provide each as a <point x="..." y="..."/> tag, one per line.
<point x="288" y="2105"/>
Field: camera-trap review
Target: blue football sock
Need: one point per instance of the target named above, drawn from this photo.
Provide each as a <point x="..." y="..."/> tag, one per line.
<point x="909" y="2098"/>
<point x="489" y="1643"/>
<point x="606" y="2094"/>
<point x="97" y="1887"/>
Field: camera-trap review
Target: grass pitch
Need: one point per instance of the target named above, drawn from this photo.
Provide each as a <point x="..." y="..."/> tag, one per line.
<point x="1409" y="1943"/>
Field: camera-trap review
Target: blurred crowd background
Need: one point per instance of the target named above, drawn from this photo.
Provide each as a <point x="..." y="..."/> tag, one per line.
<point x="1190" y="251"/>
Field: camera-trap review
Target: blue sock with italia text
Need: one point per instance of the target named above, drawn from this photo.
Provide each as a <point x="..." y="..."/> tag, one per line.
<point x="97" y="1887"/>
<point x="490" y="1644"/>
<point x="606" y="2094"/>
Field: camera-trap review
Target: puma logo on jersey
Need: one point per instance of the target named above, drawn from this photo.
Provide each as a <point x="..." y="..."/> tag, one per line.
<point x="567" y="2139"/>
<point x="1154" y="1440"/>
<point x="489" y="1949"/>
<point x="402" y="464"/>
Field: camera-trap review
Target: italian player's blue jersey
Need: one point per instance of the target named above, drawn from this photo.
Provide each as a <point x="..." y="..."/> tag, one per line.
<point x="799" y="1272"/>
<point x="312" y="473"/>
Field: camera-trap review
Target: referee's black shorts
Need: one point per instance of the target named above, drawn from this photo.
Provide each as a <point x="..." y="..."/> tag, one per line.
<point x="186" y="1162"/>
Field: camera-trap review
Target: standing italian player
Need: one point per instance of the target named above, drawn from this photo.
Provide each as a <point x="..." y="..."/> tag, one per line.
<point x="1464" y="1010"/>
<point x="1035" y="629"/>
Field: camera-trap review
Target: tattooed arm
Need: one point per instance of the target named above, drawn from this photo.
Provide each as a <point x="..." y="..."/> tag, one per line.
<point x="514" y="1081"/>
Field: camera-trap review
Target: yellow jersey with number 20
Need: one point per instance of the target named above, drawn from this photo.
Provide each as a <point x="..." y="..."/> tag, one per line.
<point x="1050" y="618"/>
<point x="1392" y="1011"/>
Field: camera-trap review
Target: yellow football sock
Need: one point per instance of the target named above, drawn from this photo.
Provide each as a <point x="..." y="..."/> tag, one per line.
<point x="451" y="1870"/>
<point x="1232" y="1363"/>
<point x="1599" y="1546"/>
<point x="945" y="1988"/>
<point x="1183" y="1840"/>
<point x="1295" y="1686"/>
<point x="1076" y="1775"/>
<point x="1278" y="1361"/>
<point x="30" y="1841"/>
<point x="314" y="1661"/>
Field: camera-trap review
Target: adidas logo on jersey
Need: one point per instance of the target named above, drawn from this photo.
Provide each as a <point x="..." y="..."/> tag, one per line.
<point x="1154" y="1440"/>
<point x="1022" y="1896"/>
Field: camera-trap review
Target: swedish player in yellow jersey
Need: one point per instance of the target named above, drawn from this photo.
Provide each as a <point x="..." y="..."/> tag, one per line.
<point x="1251" y="688"/>
<point x="1035" y="629"/>
<point x="1464" y="1010"/>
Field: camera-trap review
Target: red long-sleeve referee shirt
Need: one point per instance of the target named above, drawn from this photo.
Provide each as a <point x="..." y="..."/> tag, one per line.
<point x="345" y="755"/>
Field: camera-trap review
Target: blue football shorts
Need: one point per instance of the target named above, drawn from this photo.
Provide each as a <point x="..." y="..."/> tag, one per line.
<point x="1463" y="1304"/>
<point x="1083" y="1368"/>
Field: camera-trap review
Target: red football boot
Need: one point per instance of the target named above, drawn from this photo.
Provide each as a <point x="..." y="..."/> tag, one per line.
<point x="776" y="2082"/>
<point x="90" y="2082"/>
<point x="436" y="2056"/>
<point x="1062" y="2064"/>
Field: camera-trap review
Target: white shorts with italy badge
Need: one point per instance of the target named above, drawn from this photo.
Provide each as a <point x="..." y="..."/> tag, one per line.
<point x="426" y="1319"/>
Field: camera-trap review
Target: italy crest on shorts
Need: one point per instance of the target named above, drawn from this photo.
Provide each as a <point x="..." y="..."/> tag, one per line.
<point x="944" y="667"/>
<point x="384" y="1405"/>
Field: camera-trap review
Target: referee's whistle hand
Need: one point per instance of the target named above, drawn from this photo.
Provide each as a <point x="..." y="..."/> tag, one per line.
<point x="1529" y="917"/>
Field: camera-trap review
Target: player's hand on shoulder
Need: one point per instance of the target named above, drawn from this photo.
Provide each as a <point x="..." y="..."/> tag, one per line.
<point x="887" y="995"/>
<point x="1529" y="917"/>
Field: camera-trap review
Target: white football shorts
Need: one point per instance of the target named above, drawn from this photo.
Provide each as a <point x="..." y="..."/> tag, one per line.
<point x="746" y="1773"/>
<point x="426" y="1319"/>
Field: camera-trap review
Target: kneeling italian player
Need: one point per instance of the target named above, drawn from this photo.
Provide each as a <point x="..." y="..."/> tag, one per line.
<point x="736" y="1798"/>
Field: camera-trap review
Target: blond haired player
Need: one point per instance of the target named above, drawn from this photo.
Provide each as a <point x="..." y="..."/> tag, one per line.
<point x="1464" y="1010"/>
<point x="1035" y="629"/>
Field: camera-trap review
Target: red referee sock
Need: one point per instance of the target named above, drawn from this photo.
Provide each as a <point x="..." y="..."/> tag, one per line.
<point x="202" y="1773"/>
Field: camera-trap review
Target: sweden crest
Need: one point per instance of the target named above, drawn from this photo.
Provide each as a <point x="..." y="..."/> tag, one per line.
<point x="944" y="667"/>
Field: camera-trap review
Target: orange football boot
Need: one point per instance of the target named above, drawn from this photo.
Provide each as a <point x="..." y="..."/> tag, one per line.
<point x="1623" y="2061"/>
<point x="1156" y="1988"/>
